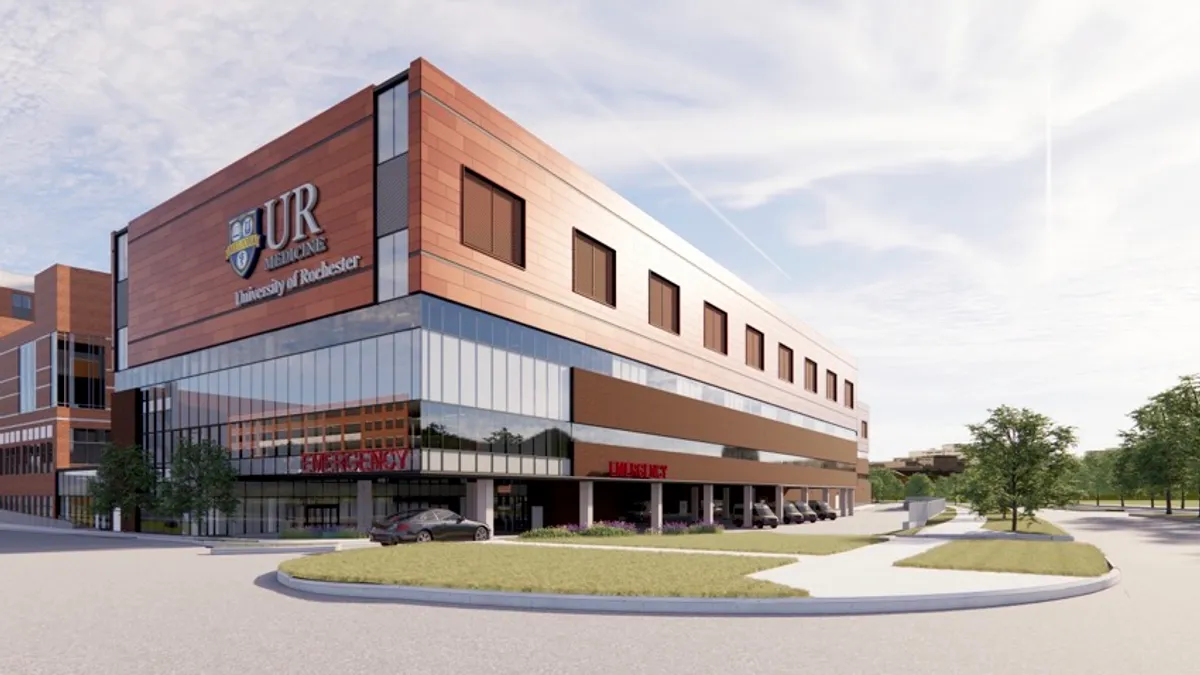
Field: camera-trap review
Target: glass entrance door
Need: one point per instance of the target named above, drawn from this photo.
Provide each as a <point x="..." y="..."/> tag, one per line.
<point x="512" y="513"/>
<point x="324" y="516"/>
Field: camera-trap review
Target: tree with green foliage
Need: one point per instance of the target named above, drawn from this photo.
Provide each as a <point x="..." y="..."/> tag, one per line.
<point x="1020" y="461"/>
<point x="1125" y="478"/>
<point x="949" y="487"/>
<point x="885" y="485"/>
<point x="1165" y="437"/>
<point x="1095" y="476"/>
<point x="201" y="480"/>
<point x="918" y="485"/>
<point x="125" y="479"/>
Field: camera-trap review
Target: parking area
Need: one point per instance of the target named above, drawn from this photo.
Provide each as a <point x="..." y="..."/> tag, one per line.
<point x="879" y="519"/>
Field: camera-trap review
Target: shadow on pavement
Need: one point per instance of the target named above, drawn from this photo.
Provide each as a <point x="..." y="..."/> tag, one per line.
<point x="13" y="541"/>
<point x="1160" y="530"/>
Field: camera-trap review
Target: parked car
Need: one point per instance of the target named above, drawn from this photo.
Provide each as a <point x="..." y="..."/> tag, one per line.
<point x="822" y="509"/>
<point x="424" y="525"/>
<point x="762" y="516"/>
<point x="798" y="512"/>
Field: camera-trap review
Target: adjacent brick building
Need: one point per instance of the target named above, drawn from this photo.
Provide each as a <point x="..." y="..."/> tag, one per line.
<point x="55" y="385"/>
<point x="411" y="301"/>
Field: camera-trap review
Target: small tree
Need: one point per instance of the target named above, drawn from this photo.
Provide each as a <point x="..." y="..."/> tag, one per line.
<point x="919" y="485"/>
<point x="1096" y="474"/>
<point x="1020" y="461"/>
<point x="885" y="485"/>
<point x="202" y="479"/>
<point x="125" y="480"/>
<point x="1125" y="476"/>
<point x="948" y="487"/>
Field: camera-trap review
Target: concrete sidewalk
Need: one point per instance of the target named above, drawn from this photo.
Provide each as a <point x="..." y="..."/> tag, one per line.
<point x="870" y="571"/>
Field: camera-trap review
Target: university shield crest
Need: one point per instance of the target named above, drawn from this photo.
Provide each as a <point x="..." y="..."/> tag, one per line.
<point x="245" y="241"/>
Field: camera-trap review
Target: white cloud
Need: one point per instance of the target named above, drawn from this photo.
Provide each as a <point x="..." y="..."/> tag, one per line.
<point x="108" y="108"/>
<point x="20" y="282"/>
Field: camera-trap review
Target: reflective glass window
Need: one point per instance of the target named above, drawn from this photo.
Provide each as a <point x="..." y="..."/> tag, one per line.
<point x="321" y="376"/>
<point x="369" y="367"/>
<point x="450" y="368"/>
<point x="337" y="375"/>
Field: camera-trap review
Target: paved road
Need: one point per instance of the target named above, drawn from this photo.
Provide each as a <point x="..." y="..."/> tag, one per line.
<point x="146" y="609"/>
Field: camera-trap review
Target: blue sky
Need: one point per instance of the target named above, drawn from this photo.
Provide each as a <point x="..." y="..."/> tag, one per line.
<point x="892" y="162"/>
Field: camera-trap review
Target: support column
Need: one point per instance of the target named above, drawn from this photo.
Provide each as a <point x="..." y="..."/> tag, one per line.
<point x="804" y="495"/>
<point x="363" y="506"/>
<point x="656" y="510"/>
<point x="485" y="502"/>
<point x="586" y="500"/>
<point x="469" y="510"/>
<point x="850" y="503"/>
<point x="842" y="502"/>
<point x="779" y="502"/>
<point x="706" y="510"/>
<point x="694" y="504"/>
<point x="726" y="505"/>
<point x="747" y="506"/>
<point x="825" y="495"/>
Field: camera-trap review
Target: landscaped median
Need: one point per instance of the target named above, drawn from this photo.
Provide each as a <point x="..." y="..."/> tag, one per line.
<point x="1000" y="523"/>
<point x="1054" y="558"/>
<point x="545" y="569"/>
<point x="699" y="537"/>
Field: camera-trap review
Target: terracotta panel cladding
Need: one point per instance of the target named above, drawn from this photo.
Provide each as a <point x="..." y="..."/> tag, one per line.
<point x="604" y="401"/>
<point x="591" y="459"/>
<point x="181" y="288"/>
<point x="449" y="128"/>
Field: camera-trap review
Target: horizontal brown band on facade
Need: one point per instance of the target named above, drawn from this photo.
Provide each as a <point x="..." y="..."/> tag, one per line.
<point x="363" y="268"/>
<point x="592" y="460"/>
<point x="233" y="186"/>
<point x="604" y="401"/>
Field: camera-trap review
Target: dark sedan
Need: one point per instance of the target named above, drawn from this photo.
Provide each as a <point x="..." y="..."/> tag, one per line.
<point x="823" y="510"/>
<point x="427" y="525"/>
<point x="798" y="512"/>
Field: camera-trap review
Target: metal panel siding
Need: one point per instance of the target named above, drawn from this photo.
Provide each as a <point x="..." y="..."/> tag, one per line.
<point x="391" y="186"/>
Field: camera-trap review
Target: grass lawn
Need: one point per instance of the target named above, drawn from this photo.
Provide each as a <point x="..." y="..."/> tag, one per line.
<point x="998" y="523"/>
<point x="1059" y="558"/>
<point x="749" y="542"/>
<point x="546" y="569"/>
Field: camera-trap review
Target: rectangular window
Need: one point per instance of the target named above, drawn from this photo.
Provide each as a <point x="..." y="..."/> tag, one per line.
<point x="22" y="306"/>
<point x="87" y="445"/>
<point x="864" y="429"/>
<point x="392" y="274"/>
<point x="810" y="375"/>
<point x="664" y="304"/>
<point x="595" y="270"/>
<point x="122" y="262"/>
<point x="27" y="371"/>
<point x="831" y="385"/>
<point x="786" y="372"/>
<point x="391" y="122"/>
<point x="80" y="374"/>
<point x="754" y="348"/>
<point x="716" y="333"/>
<point x="849" y="397"/>
<point x="493" y="219"/>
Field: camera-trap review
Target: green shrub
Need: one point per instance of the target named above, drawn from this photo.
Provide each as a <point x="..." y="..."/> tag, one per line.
<point x="555" y="532"/>
<point x="614" y="528"/>
<point x="705" y="528"/>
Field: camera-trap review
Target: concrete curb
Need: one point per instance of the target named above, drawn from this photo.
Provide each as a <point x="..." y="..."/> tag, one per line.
<point x="607" y="604"/>
<point x="225" y="546"/>
<point x="295" y="548"/>
<point x="1020" y="536"/>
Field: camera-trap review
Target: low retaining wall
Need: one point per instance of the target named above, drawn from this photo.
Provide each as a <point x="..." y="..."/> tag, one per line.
<point x="607" y="604"/>
<point x="921" y="509"/>
<point x="14" y="518"/>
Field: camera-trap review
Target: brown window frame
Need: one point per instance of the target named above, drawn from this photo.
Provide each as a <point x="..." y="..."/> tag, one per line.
<point x="811" y="373"/>
<point x="724" y="347"/>
<point x="831" y="385"/>
<point x="666" y="283"/>
<point x="787" y="374"/>
<point x="761" y="356"/>
<point x="848" y="394"/>
<point x="518" y="227"/>
<point x="577" y="237"/>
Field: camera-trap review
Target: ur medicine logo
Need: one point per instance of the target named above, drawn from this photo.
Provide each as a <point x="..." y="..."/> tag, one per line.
<point x="292" y="237"/>
<point x="245" y="241"/>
